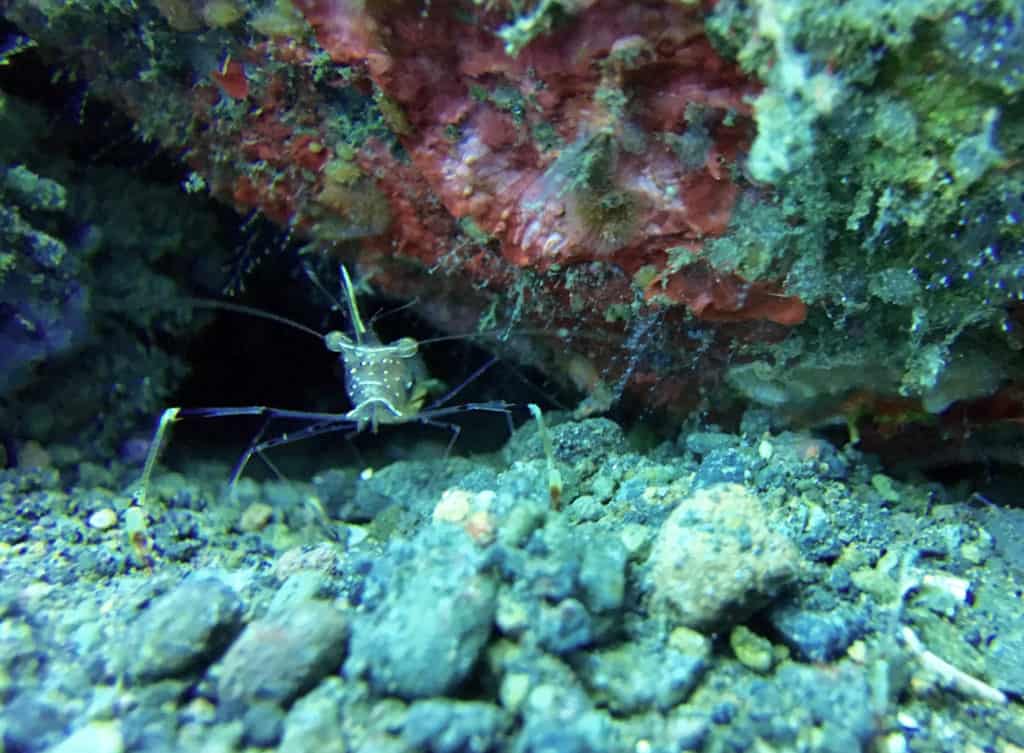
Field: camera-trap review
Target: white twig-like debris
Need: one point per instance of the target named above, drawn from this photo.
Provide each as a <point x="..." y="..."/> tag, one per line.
<point x="554" y="475"/>
<point x="948" y="675"/>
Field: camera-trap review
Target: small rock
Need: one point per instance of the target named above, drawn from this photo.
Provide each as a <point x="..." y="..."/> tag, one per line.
<point x="817" y="636"/>
<point x="300" y="587"/>
<point x="688" y="732"/>
<point x="636" y="538"/>
<point x="515" y="687"/>
<point x="602" y="488"/>
<point x="443" y="726"/>
<point x="225" y="737"/>
<point x="585" y="509"/>
<point x="565" y="731"/>
<point x="281" y="656"/>
<point x="689" y="642"/>
<point x="454" y="506"/>
<point x="264" y="723"/>
<point x="282" y="495"/>
<point x="182" y="629"/>
<point x="723" y="466"/>
<point x="335" y="488"/>
<point x="1003" y="665"/>
<point x="255" y="517"/>
<point x="563" y="627"/>
<point x="633" y="677"/>
<point x="603" y="574"/>
<point x="834" y="700"/>
<point x="33" y="455"/>
<point x="247" y="491"/>
<point x="103" y="519"/>
<point x="512" y="613"/>
<point x="703" y="442"/>
<point x="94" y="737"/>
<point x="196" y="711"/>
<point x="571" y="441"/>
<point x="885" y="487"/>
<point x="433" y="618"/>
<point x="150" y="725"/>
<point x="29" y="724"/>
<point x="752" y="651"/>
<point x="322" y="558"/>
<point x="312" y="724"/>
<point x="717" y="558"/>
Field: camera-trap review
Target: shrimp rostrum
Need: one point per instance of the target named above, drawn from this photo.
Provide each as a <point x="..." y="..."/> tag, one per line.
<point x="386" y="384"/>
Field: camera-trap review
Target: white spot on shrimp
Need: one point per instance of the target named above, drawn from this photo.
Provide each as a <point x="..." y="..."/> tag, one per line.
<point x="530" y="232"/>
<point x="554" y="244"/>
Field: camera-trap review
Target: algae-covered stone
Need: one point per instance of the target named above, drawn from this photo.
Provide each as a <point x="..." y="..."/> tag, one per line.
<point x="818" y="636"/>
<point x="752" y="651"/>
<point x="603" y="574"/>
<point x="182" y="629"/>
<point x="279" y="657"/>
<point x="454" y="725"/>
<point x="633" y="677"/>
<point x="717" y="559"/>
<point x="430" y="609"/>
<point x="885" y="487"/>
<point x="312" y="724"/>
<point x="95" y="737"/>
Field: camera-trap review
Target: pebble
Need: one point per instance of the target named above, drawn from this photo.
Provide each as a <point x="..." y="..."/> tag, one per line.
<point x="602" y="574"/>
<point x="885" y="487"/>
<point x="29" y="723"/>
<point x="717" y="559"/>
<point x="103" y="519"/>
<point x="312" y="723"/>
<point x="752" y="651"/>
<point x="1003" y="665"/>
<point x="817" y="636"/>
<point x="94" y="737"/>
<point x="703" y="442"/>
<point x="633" y="677"/>
<point x="279" y="657"/>
<point x="433" y="618"/>
<point x="255" y="517"/>
<point x="727" y="465"/>
<point x="33" y="455"/>
<point x="181" y="629"/>
<point x="453" y="507"/>
<point x="444" y="725"/>
<point x="264" y="723"/>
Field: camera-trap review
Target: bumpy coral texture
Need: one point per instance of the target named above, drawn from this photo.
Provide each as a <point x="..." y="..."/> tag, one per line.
<point x="610" y="137"/>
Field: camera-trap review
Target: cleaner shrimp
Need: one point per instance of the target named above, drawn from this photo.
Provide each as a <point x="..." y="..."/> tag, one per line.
<point x="387" y="383"/>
